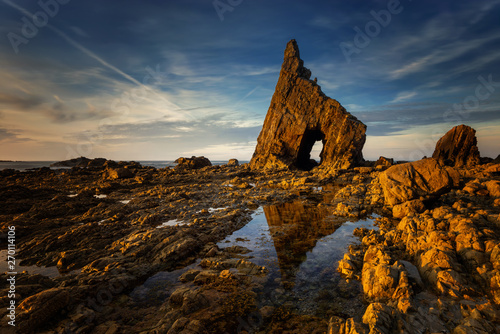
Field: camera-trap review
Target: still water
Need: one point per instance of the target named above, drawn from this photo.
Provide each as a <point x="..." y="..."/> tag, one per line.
<point x="300" y="245"/>
<point x="51" y="272"/>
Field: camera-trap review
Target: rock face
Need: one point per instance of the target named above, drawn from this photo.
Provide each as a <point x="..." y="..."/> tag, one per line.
<point x="301" y="114"/>
<point x="412" y="180"/>
<point x="458" y="147"/>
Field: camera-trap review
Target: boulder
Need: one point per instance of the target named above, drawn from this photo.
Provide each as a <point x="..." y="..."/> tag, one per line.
<point x="192" y="163"/>
<point x="458" y="147"/>
<point x="413" y="180"/>
<point x="233" y="162"/>
<point x="301" y="114"/>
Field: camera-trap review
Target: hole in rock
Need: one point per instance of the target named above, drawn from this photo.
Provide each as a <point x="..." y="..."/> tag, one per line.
<point x="310" y="150"/>
<point x="316" y="151"/>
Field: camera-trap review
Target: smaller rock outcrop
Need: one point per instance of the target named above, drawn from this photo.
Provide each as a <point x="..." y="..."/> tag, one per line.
<point x="458" y="147"/>
<point x="81" y="161"/>
<point x="192" y="163"/>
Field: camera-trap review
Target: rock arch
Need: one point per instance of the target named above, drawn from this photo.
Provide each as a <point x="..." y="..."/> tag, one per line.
<point x="299" y="115"/>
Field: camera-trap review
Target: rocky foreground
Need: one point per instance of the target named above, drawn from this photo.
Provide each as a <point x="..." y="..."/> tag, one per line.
<point x="432" y="267"/>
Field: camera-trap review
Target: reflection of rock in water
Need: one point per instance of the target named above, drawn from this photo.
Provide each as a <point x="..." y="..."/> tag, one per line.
<point x="295" y="229"/>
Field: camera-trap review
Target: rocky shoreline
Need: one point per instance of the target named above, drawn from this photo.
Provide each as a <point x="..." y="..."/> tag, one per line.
<point x="435" y="267"/>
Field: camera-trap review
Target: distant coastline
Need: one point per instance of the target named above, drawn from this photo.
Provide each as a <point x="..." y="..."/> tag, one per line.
<point x="27" y="165"/>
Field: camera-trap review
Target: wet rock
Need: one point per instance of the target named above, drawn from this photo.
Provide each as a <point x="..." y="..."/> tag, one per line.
<point x="37" y="310"/>
<point x="189" y="275"/>
<point x="119" y="173"/>
<point x="206" y="276"/>
<point x="458" y="147"/>
<point x="70" y="260"/>
<point x="408" y="181"/>
<point x="188" y="300"/>
<point x="299" y="115"/>
<point x="349" y="267"/>
<point x="250" y="268"/>
<point x="192" y="163"/>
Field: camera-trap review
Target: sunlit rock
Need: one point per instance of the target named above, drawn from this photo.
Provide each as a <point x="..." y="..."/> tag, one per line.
<point x="301" y="114"/>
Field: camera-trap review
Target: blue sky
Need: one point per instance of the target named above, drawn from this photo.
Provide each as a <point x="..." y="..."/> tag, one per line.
<point x="155" y="80"/>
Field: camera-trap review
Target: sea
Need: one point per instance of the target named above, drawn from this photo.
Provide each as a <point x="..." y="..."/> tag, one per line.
<point x="27" y="165"/>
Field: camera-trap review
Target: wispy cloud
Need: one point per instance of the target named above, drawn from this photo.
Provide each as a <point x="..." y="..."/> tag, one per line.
<point x="25" y="102"/>
<point x="12" y="136"/>
<point x="403" y="96"/>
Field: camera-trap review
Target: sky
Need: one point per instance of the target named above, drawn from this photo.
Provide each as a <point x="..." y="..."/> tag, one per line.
<point x="156" y="80"/>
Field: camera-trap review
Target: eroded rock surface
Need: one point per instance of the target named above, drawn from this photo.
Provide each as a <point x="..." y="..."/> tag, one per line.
<point x="299" y="115"/>
<point x="413" y="180"/>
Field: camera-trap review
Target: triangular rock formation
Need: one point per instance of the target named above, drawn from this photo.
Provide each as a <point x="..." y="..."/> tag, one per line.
<point x="301" y="114"/>
<point x="458" y="147"/>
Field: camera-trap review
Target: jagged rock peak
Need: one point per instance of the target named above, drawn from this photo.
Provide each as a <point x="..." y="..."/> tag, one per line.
<point x="292" y="62"/>
<point x="301" y="114"/>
